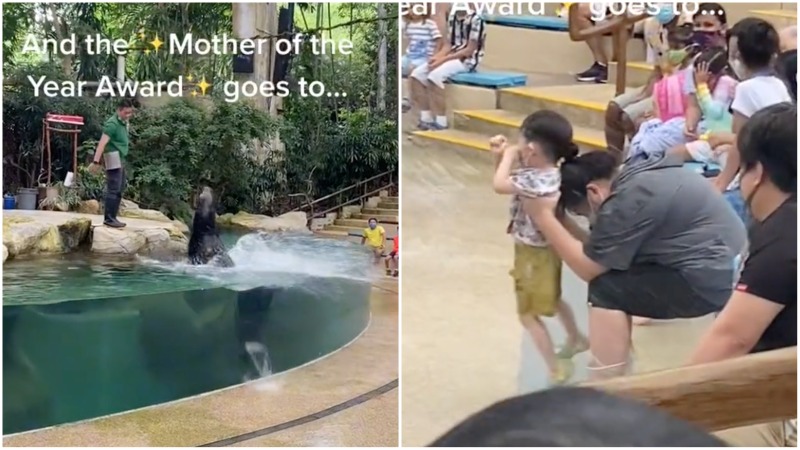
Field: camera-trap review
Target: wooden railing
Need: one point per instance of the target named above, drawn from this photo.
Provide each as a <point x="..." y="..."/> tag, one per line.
<point x="618" y="27"/>
<point x="753" y="389"/>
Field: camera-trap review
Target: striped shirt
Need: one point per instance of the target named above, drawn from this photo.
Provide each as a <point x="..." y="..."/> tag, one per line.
<point x="421" y="36"/>
<point x="463" y="29"/>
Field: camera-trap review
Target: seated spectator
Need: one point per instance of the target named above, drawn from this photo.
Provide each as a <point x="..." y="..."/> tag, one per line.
<point x="753" y="45"/>
<point x="423" y="40"/>
<point x="761" y="314"/>
<point x="574" y="417"/>
<point x="626" y="112"/>
<point x="393" y="260"/>
<point x="788" y="38"/>
<point x="598" y="72"/>
<point x="462" y="53"/>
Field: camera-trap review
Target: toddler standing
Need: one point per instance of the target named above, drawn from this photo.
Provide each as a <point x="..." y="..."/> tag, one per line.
<point x="545" y="141"/>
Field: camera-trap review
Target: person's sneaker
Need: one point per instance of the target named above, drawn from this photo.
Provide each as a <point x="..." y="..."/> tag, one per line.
<point x="114" y="223"/>
<point x="436" y="127"/>
<point x="396" y="274"/>
<point x="425" y="126"/>
<point x="602" y="74"/>
<point x="406" y="105"/>
<point x="562" y="373"/>
<point x="572" y="349"/>
<point x="388" y="273"/>
<point x="592" y="73"/>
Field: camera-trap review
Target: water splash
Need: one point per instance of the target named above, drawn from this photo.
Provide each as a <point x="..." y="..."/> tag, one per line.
<point x="259" y="355"/>
<point x="281" y="260"/>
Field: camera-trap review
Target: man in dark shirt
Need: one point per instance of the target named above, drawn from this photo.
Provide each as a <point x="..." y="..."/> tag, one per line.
<point x="762" y="312"/>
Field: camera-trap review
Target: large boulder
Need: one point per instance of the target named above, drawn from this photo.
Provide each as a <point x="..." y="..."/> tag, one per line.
<point x="165" y="243"/>
<point x="130" y="209"/>
<point x="294" y="221"/>
<point x="25" y="235"/>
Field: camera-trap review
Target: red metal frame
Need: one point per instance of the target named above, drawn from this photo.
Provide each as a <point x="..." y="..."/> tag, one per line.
<point x="49" y="124"/>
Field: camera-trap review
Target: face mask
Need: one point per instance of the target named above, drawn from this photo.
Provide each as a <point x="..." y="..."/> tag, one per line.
<point x="676" y="57"/>
<point x="665" y="14"/>
<point x="372" y="226"/>
<point x="748" y="202"/>
<point x="703" y="39"/>
<point x="738" y="68"/>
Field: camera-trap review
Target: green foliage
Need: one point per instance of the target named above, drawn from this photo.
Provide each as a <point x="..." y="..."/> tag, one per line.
<point x="90" y="186"/>
<point x="179" y="147"/>
<point x="328" y="143"/>
<point x="23" y="113"/>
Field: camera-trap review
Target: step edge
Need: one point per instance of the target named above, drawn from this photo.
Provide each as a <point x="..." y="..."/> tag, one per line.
<point x="481" y="115"/>
<point x="594" y="106"/>
<point x="439" y="136"/>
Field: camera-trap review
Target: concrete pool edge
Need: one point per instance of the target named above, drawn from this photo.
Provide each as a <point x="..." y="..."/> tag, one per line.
<point x="367" y="363"/>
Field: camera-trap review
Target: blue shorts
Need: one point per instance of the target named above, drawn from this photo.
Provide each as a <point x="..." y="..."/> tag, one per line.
<point x="409" y="63"/>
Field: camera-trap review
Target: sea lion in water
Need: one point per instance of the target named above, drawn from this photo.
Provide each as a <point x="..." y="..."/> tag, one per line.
<point x="205" y="245"/>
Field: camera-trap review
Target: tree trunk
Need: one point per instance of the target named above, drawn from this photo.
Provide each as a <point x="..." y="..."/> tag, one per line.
<point x="382" y="57"/>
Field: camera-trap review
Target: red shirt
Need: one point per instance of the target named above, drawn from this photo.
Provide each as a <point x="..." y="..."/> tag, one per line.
<point x="396" y="248"/>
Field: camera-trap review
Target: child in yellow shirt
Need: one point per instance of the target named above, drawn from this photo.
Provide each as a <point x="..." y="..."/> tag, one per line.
<point x="374" y="237"/>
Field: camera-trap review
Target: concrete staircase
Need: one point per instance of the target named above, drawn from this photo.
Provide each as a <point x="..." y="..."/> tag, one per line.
<point x="350" y="221"/>
<point x="550" y="60"/>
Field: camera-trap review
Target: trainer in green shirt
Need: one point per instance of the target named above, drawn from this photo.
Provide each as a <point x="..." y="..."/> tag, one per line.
<point x="113" y="149"/>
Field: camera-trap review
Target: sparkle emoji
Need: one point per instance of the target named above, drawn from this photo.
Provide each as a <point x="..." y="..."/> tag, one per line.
<point x="203" y="85"/>
<point x="156" y="43"/>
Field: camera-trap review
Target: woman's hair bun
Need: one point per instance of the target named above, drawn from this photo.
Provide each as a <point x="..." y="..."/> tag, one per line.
<point x="571" y="152"/>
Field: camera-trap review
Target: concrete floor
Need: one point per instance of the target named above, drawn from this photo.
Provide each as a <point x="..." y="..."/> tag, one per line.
<point x="463" y="348"/>
<point x="349" y="398"/>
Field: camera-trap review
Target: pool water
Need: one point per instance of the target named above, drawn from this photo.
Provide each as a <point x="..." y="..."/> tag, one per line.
<point x="86" y="336"/>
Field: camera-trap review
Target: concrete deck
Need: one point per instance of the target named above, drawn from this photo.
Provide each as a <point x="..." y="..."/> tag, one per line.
<point x="346" y="399"/>
<point x="463" y="347"/>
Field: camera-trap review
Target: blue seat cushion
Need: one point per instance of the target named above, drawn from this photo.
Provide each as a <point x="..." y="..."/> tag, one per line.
<point x="531" y="22"/>
<point x="490" y="79"/>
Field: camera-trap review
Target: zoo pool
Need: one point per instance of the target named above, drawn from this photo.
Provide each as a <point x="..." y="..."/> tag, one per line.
<point x="85" y="336"/>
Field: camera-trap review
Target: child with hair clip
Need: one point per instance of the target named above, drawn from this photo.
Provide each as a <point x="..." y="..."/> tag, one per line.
<point x="715" y="90"/>
<point x="545" y="142"/>
<point x="666" y="129"/>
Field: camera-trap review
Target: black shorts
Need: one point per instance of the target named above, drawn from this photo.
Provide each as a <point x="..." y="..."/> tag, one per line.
<point x="393" y="254"/>
<point x="650" y="291"/>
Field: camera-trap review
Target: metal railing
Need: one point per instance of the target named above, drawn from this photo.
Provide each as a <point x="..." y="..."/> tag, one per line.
<point x="355" y="193"/>
<point x="753" y="389"/>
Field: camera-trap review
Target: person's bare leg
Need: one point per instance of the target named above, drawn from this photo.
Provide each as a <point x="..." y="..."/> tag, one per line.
<point x="575" y="339"/>
<point x="541" y="338"/>
<point x="598" y="72"/>
<point x="419" y="95"/>
<point x="610" y="343"/>
<point x="615" y="130"/>
<point x="438" y="100"/>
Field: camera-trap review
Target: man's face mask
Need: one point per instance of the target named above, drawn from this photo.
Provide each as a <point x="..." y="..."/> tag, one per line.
<point x="372" y="225"/>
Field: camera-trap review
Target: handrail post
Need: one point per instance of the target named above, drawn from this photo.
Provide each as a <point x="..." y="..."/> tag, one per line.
<point x="620" y="43"/>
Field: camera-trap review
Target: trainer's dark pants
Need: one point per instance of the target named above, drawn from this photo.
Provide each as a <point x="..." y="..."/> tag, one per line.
<point x="651" y="291"/>
<point x="115" y="186"/>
